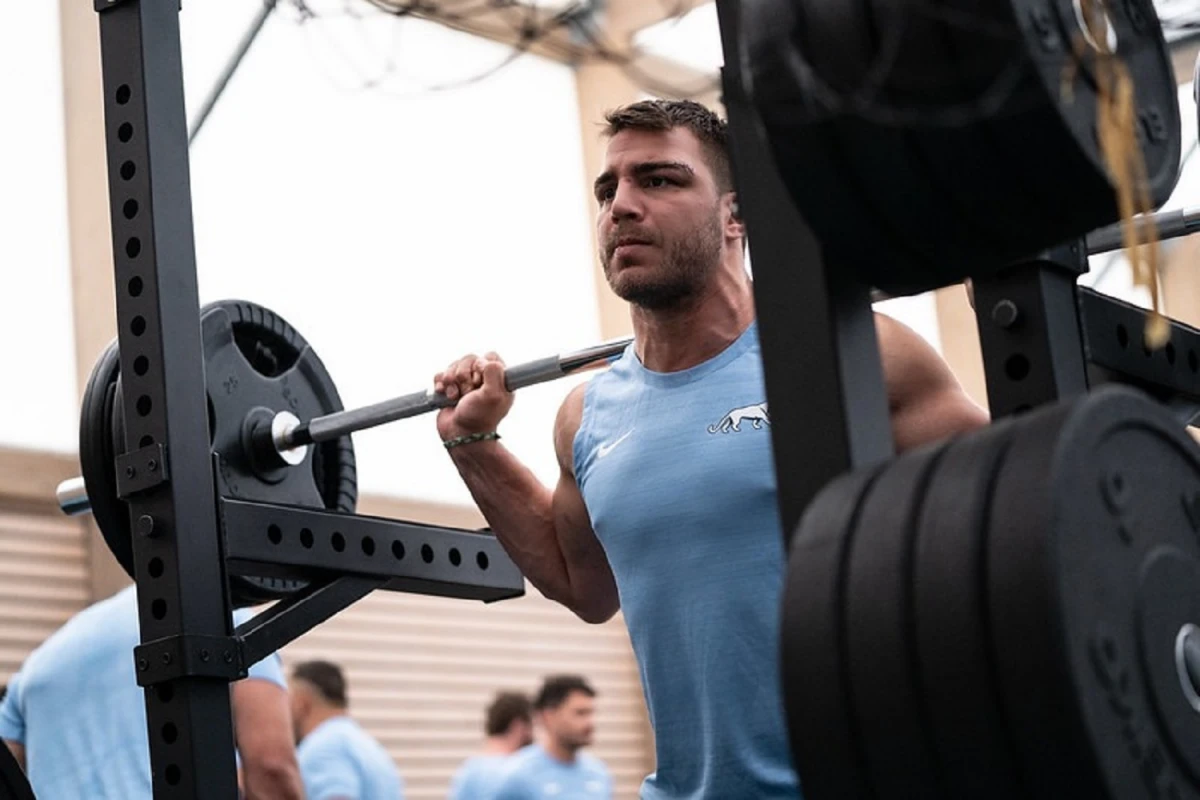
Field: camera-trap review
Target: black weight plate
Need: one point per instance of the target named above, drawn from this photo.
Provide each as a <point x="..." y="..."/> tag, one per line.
<point x="813" y="649"/>
<point x="1029" y="157"/>
<point x="1088" y="500"/>
<point x="1026" y="646"/>
<point x="96" y="455"/>
<point x="878" y="627"/>
<point x="1128" y="585"/>
<point x="958" y="689"/>
<point x="253" y="358"/>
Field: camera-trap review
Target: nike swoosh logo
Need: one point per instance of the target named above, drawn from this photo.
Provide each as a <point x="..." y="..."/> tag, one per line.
<point x="605" y="449"/>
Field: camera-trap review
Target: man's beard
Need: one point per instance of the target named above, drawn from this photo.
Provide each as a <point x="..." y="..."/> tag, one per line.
<point x="683" y="272"/>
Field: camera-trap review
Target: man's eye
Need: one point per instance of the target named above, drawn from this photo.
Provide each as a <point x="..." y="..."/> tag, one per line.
<point x="605" y="195"/>
<point x="657" y="181"/>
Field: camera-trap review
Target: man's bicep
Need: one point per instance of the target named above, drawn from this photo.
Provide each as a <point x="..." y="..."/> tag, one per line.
<point x="262" y="721"/>
<point x="925" y="398"/>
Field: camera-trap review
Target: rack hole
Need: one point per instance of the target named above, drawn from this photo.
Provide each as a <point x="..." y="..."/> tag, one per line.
<point x="306" y="537"/>
<point x="128" y="170"/>
<point x="165" y="692"/>
<point x="1122" y="336"/>
<point x="125" y="132"/>
<point x="455" y="556"/>
<point x="481" y="559"/>
<point x="130" y="209"/>
<point x="138" y="326"/>
<point x="158" y="608"/>
<point x="368" y="546"/>
<point x="135" y="286"/>
<point x="274" y="534"/>
<point x="338" y="541"/>
<point x="427" y="554"/>
<point x="155" y="567"/>
<point x="1016" y="367"/>
<point x="170" y="733"/>
<point x="173" y="774"/>
<point x="1170" y="351"/>
<point x="123" y="94"/>
<point x="1193" y="362"/>
<point x="146" y="441"/>
<point x="141" y="365"/>
<point x="133" y="247"/>
<point x="144" y="405"/>
<point x="398" y="549"/>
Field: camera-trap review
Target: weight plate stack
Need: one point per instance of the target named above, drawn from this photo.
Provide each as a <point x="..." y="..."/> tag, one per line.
<point x="256" y="364"/>
<point x="926" y="140"/>
<point x="1093" y="568"/>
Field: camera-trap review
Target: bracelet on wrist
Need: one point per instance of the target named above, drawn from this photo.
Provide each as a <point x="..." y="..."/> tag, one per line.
<point x="459" y="441"/>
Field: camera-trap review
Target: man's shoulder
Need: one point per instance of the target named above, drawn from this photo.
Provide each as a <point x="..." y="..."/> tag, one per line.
<point x="593" y="767"/>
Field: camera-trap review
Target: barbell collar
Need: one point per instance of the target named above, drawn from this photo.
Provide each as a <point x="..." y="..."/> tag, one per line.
<point x="72" y="497"/>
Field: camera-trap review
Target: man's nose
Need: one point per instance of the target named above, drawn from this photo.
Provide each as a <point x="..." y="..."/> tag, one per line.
<point x="626" y="202"/>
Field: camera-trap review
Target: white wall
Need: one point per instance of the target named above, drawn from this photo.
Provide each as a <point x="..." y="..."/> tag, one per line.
<point x="396" y="228"/>
<point x="37" y="355"/>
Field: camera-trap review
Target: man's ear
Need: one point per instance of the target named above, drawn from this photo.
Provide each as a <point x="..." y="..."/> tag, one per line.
<point x="735" y="227"/>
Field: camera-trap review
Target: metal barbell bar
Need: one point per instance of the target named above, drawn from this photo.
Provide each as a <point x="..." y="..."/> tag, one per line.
<point x="284" y="437"/>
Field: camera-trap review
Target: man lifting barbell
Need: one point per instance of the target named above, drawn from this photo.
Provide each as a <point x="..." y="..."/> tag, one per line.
<point x="665" y="506"/>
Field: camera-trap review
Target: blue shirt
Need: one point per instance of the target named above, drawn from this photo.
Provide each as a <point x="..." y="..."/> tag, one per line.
<point x="677" y="474"/>
<point x="478" y="778"/>
<point x="339" y="759"/>
<point x="532" y="774"/>
<point x="76" y="706"/>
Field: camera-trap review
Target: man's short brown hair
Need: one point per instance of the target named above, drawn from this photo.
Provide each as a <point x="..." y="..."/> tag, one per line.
<point x="665" y="115"/>
<point x="557" y="688"/>
<point x="507" y="708"/>
<point x="326" y="677"/>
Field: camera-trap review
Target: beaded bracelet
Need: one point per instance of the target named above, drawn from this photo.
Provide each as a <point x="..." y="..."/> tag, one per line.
<point x="459" y="441"/>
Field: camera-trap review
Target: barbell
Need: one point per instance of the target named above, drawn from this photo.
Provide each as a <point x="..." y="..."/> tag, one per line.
<point x="277" y="428"/>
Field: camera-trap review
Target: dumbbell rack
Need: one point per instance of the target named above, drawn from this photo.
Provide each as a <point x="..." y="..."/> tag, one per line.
<point x="187" y="539"/>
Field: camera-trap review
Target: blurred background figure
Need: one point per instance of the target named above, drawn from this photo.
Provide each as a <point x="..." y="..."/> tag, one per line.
<point x="75" y="717"/>
<point x="509" y="727"/>
<point x="338" y="759"/>
<point x="554" y="766"/>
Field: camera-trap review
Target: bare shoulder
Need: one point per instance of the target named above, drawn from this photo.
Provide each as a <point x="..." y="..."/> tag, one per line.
<point x="566" y="425"/>
<point x="910" y="364"/>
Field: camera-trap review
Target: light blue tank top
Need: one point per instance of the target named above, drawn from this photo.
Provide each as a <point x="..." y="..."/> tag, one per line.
<point x="677" y="474"/>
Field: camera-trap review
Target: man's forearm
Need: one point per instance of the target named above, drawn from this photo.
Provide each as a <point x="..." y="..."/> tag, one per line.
<point x="520" y="511"/>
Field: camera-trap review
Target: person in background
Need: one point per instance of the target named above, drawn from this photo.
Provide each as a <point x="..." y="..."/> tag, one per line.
<point x="338" y="759"/>
<point x="555" y="767"/>
<point x="509" y="727"/>
<point x="75" y="718"/>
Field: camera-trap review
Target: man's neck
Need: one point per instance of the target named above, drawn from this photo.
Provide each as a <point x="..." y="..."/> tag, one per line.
<point x="675" y="340"/>
<point x="559" y="751"/>
<point x="317" y="717"/>
<point x="499" y="746"/>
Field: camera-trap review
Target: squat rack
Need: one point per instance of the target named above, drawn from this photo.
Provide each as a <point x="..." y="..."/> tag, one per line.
<point x="188" y="541"/>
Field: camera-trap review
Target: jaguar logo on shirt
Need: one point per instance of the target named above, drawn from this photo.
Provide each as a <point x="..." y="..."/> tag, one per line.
<point x="756" y="415"/>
